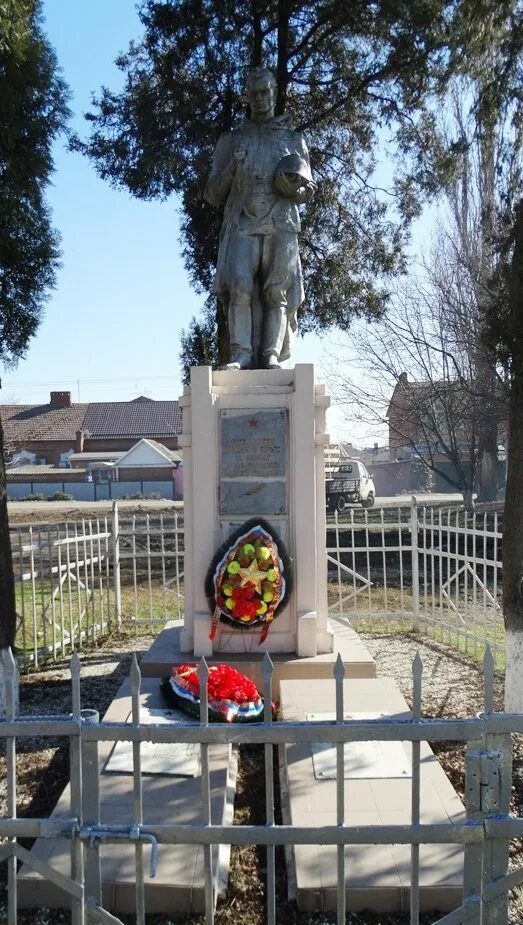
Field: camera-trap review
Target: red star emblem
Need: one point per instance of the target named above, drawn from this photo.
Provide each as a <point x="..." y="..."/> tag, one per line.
<point x="253" y="422"/>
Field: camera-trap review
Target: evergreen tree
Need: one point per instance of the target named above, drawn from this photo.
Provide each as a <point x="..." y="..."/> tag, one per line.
<point x="198" y="345"/>
<point x="33" y="111"/>
<point x="355" y="77"/>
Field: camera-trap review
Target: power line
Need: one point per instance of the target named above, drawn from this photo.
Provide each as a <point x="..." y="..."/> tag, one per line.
<point x="81" y="382"/>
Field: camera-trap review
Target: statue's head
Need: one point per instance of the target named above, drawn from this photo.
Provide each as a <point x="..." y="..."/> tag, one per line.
<point x="261" y="93"/>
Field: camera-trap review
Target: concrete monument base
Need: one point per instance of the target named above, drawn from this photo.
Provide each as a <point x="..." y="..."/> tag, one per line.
<point x="253" y="444"/>
<point x="359" y="663"/>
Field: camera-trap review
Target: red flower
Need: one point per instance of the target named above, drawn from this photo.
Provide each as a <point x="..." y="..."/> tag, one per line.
<point x="225" y="683"/>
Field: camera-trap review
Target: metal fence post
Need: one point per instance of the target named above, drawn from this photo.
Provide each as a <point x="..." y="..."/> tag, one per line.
<point x="9" y="683"/>
<point x="116" y="567"/>
<point x="473" y="853"/>
<point x="496" y="781"/>
<point x="415" y="562"/>
<point x="91" y="809"/>
<point x="496" y="785"/>
<point x="11" y="708"/>
<point x="78" y="916"/>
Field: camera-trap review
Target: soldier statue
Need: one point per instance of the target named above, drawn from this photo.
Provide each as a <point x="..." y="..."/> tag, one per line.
<point x="261" y="174"/>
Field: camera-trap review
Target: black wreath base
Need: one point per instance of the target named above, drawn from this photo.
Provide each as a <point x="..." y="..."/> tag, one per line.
<point x="225" y="547"/>
<point x="193" y="709"/>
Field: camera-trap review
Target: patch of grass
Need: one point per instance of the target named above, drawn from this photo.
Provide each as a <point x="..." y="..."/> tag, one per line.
<point x="385" y="627"/>
<point x="152" y="602"/>
<point x="389" y="610"/>
<point x="50" y="622"/>
<point x="473" y="646"/>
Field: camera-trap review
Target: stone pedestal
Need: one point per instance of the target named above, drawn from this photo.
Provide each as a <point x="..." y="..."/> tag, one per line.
<point x="253" y="446"/>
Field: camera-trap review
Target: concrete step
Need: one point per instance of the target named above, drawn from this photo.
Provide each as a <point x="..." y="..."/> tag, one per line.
<point x="359" y="663"/>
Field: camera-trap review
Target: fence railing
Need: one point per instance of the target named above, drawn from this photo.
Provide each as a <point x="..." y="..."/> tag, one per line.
<point x="436" y="570"/>
<point x="149" y="551"/>
<point x="62" y="584"/>
<point x="484" y="834"/>
<point x="460" y="570"/>
<point x="77" y="581"/>
<point x="369" y="562"/>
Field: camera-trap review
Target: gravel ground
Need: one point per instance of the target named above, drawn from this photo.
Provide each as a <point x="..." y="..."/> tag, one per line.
<point x="452" y="686"/>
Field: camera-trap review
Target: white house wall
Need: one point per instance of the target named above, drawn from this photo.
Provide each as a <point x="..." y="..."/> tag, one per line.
<point x="143" y="454"/>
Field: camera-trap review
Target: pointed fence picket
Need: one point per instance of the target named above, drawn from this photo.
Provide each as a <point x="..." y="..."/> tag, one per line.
<point x="485" y="833"/>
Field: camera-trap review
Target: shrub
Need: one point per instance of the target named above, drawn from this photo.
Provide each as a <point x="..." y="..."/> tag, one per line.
<point x="38" y="496"/>
<point x="61" y="496"/>
<point x="142" y="496"/>
<point x="422" y="476"/>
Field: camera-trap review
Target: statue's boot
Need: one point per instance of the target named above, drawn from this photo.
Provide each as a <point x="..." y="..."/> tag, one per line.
<point x="239" y="361"/>
<point x="274" y="328"/>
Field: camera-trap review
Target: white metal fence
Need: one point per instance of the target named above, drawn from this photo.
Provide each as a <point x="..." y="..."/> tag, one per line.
<point x="77" y="581"/>
<point x="484" y="834"/>
<point x="63" y="588"/>
<point x="148" y="555"/>
<point x="436" y="570"/>
<point x="459" y="579"/>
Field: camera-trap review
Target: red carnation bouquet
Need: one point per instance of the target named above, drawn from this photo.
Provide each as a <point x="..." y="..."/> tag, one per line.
<point x="232" y="696"/>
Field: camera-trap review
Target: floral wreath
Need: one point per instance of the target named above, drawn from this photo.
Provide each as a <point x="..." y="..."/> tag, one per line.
<point x="232" y="696"/>
<point x="249" y="579"/>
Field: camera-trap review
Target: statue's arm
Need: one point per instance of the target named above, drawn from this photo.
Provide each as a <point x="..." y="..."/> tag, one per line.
<point x="222" y="173"/>
<point x="307" y="191"/>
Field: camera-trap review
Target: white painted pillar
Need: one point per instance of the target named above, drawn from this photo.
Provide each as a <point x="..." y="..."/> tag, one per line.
<point x="304" y="508"/>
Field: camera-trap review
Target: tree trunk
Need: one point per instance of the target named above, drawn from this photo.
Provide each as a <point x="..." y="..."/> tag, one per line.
<point x="257" y="35"/>
<point x="7" y="586"/>
<point x="513" y="516"/>
<point x="7" y="582"/>
<point x="282" y="76"/>
<point x="488" y="463"/>
<point x="487" y="472"/>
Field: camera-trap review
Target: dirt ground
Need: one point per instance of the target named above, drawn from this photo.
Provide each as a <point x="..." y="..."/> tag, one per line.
<point x="452" y="686"/>
<point x="42" y="512"/>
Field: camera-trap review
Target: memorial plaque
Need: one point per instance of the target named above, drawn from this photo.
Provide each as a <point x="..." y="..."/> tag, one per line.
<point x="253" y="461"/>
<point x="253" y="497"/>
<point x="180" y="759"/>
<point x="362" y="760"/>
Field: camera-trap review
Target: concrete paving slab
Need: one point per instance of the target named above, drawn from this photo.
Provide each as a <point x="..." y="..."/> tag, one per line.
<point x="359" y="663"/>
<point x="178" y="885"/>
<point x="377" y="877"/>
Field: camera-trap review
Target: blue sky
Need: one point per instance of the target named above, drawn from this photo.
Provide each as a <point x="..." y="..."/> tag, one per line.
<point x="113" y="322"/>
<point x="112" y="325"/>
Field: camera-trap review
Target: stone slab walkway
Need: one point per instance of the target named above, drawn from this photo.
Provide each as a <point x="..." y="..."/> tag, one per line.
<point x="377" y="876"/>
<point x="178" y="884"/>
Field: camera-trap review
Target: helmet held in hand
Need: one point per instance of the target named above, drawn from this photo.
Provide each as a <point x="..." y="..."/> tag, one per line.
<point x="291" y="175"/>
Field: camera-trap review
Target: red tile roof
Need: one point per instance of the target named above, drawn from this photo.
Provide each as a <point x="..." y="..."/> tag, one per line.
<point x="137" y="418"/>
<point x="41" y="422"/>
<point x="141" y="417"/>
